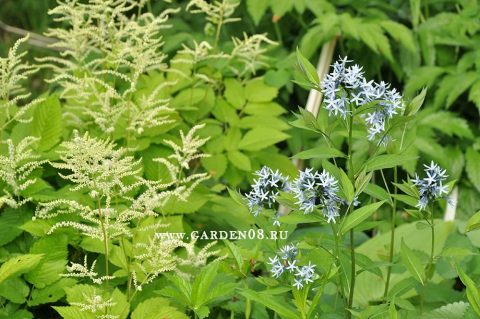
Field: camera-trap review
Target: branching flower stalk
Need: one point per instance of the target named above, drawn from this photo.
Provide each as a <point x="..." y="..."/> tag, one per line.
<point x="218" y="13"/>
<point x="13" y="71"/>
<point x="16" y="168"/>
<point x="430" y="189"/>
<point x="105" y="45"/>
<point x="120" y="200"/>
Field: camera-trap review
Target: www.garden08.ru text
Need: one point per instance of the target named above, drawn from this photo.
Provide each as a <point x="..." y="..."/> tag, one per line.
<point x="230" y="235"/>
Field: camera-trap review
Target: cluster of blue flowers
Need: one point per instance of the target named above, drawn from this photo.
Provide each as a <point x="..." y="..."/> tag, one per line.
<point x="287" y="262"/>
<point x="347" y="86"/>
<point x="312" y="189"/>
<point x="265" y="189"/>
<point x="431" y="187"/>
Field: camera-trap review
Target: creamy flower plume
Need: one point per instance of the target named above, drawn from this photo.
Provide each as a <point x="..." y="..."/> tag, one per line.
<point x="16" y="168"/>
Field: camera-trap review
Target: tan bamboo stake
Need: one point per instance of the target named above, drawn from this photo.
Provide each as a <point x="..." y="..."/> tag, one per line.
<point x="35" y="38"/>
<point x="315" y="97"/>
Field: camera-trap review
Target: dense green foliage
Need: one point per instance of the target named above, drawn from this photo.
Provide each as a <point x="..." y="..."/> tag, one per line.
<point x="133" y="120"/>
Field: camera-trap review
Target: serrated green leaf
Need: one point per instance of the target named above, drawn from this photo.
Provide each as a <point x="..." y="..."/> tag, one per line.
<point x="448" y="123"/>
<point x="257" y="9"/>
<point x="473" y="167"/>
<point x="454" y="310"/>
<point x="234" y="93"/>
<point x="240" y="160"/>
<point x="261" y="137"/>
<point x="50" y="293"/>
<point x="156" y="308"/>
<point x="422" y="77"/>
<point x="47" y="123"/>
<point x="53" y="263"/>
<point x="10" y="222"/>
<point x="257" y="91"/>
<point x="15" y="290"/>
<point x="19" y="265"/>
<point x="265" y="109"/>
<point x="400" y="33"/>
<point x="215" y="164"/>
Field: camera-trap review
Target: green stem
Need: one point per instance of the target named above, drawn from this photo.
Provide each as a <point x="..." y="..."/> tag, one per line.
<point x="430" y="263"/>
<point x="351" y="175"/>
<point x="219" y="28"/>
<point x="392" y="233"/>
<point x="105" y="241"/>
<point x="341" y="284"/>
<point x="129" y="281"/>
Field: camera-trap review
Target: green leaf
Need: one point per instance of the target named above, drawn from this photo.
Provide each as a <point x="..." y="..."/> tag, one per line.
<point x="412" y="262"/>
<point x="422" y="77"/>
<point x="47" y="123"/>
<point x="392" y="310"/>
<point x="362" y="182"/>
<point x="388" y="161"/>
<point x="400" y="33"/>
<point x="321" y="152"/>
<point x="474" y="94"/>
<point x="372" y="35"/>
<point x="377" y="192"/>
<point x="240" y="160"/>
<point x="448" y="123"/>
<point x="257" y="9"/>
<point x="452" y="86"/>
<point x="454" y="310"/>
<point x="473" y="222"/>
<point x="257" y="91"/>
<point x="53" y="263"/>
<point x="473" y="295"/>
<point x="261" y="137"/>
<point x="236" y="254"/>
<point x="19" y="265"/>
<point x="253" y="121"/>
<point x="156" y="308"/>
<point x="215" y="164"/>
<point x="10" y="222"/>
<point x="407" y="199"/>
<point x="266" y="109"/>
<point x="207" y="287"/>
<point x="414" y="106"/>
<point x="277" y="305"/>
<point x="225" y="112"/>
<point x="358" y="216"/>
<point x="347" y="187"/>
<point x="72" y="312"/>
<point x="234" y="93"/>
<point x="307" y="68"/>
<point x="473" y="167"/>
<point x="15" y="290"/>
<point x="50" y="293"/>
